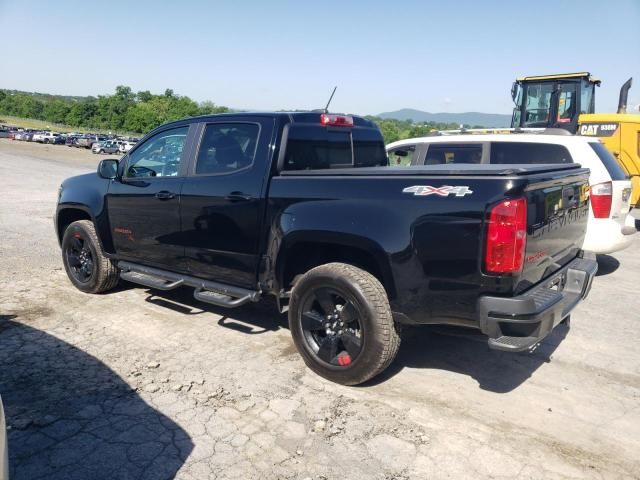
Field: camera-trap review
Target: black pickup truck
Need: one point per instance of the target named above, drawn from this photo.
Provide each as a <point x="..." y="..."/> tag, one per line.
<point x="304" y="207"/>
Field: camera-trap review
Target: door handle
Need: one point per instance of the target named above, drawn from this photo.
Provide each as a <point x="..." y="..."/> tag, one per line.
<point x="238" y="197"/>
<point x="165" y="195"/>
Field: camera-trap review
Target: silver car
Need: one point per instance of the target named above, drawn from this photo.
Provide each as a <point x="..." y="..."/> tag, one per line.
<point x="4" y="452"/>
<point x="105" y="147"/>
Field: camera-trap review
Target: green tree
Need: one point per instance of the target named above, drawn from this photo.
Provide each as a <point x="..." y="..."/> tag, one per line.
<point x="82" y="114"/>
<point x="144" y="96"/>
<point x="56" y="111"/>
<point x="208" y="108"/>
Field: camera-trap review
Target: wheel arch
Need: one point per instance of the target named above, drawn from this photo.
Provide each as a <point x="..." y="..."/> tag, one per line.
<point x="66" y="215"/>
<point x="302" y="251"/>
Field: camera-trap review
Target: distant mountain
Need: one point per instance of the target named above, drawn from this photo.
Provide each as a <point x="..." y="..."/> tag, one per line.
<point x="488" y="120"/>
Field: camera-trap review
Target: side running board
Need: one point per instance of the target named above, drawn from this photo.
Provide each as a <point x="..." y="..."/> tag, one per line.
<point x="206" y="291"/>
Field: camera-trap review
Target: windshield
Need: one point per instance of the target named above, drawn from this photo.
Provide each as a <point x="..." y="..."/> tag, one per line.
<point x="538" y="101"/>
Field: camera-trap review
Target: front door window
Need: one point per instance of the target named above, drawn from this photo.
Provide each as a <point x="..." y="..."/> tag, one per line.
<point x="159" y="156"/>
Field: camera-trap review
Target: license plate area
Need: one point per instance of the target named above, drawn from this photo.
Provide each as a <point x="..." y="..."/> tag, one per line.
<point x="557" y="283"/>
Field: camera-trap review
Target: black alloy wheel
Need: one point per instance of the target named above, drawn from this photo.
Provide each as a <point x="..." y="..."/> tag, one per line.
<point x="332" y="327"/>
<point x="88" y="268"/>
<point x="342" y="324"/>
<point x="80" y="258"/>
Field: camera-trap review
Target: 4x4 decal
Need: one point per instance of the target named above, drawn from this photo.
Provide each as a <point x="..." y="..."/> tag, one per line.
<point x="444" y="191"/>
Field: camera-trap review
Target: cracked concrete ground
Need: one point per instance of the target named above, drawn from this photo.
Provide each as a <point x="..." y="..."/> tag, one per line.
<point x="144" y="384"/>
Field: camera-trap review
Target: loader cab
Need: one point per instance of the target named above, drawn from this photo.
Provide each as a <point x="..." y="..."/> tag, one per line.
<point x="553" y="101"/>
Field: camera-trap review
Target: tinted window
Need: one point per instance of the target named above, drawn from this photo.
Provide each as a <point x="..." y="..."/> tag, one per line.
<point x="368" y="148"/>
<point x="311" y="147"/>
<point x="517" y="152"/>
<point x="609" y="161"/>
<point x="227" y="147"/>
<point x="402" y="156"/>
<point x="159" y="156"/>
<point x="441" y="153"/>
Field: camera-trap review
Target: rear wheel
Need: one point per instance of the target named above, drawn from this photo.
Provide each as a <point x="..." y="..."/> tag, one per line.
<point x="85" y="263"/>
<point x="341" y="323"/>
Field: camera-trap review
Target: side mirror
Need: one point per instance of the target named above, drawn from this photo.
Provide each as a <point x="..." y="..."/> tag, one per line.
<point x="108" y="168"/>
<point x="514" y="91"/>
<point x="400" y="153"/>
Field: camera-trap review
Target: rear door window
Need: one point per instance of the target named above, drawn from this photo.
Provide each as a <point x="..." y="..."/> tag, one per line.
<point x="227" y="147"/>
<point x="609" y="161"/>
<point x="506" y="153"/>
<point x="443" y="153"/>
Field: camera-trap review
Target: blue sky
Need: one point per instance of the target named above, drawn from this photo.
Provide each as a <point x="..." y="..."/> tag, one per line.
<point x="450" y="56"/>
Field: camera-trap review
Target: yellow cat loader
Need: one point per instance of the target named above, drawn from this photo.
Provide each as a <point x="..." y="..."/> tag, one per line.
<point x="567" y="101"/>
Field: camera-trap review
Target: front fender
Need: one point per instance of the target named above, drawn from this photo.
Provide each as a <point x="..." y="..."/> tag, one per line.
<point x="87" y="193"/>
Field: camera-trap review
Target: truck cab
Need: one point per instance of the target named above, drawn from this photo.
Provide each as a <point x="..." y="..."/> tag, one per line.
<point x="553" y="101"/>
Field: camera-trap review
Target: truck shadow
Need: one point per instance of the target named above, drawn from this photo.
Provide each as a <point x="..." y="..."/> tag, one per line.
<point x="71" y="417"/>
<point x="425" y="347"/>
<point x="467" y="353"/>
<point x="252" y="319"/>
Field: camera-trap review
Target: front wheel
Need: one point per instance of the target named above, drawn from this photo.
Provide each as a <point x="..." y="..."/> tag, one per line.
<point x="341" y="323"/>
<point x="84" y="261"/>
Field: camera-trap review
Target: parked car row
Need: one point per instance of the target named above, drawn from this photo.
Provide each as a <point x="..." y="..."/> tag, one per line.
<point x="98" y="143"/>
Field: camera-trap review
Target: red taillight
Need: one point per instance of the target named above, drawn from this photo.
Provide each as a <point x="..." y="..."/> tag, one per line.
<point x="601" y="195"/>
<point x="333" y="120"/>
<point x="506" y="237"/>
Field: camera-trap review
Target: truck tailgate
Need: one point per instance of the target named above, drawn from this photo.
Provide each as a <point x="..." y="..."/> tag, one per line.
<point x="557" y="215"/>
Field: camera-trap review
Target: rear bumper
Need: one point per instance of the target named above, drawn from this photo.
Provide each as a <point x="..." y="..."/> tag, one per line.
<point x="518" y="323"/>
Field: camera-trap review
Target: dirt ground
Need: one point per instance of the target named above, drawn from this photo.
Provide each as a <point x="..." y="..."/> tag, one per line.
<point x="145" y="384"/>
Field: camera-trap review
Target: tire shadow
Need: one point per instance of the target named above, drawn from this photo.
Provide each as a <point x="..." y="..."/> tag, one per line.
<point x="71" y="417"/>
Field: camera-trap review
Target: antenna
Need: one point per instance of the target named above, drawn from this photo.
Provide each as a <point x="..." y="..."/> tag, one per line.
<point x="326" y="109"/>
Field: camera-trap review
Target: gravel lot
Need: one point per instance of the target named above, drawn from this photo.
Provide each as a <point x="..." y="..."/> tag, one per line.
<point x="145" y="384"/>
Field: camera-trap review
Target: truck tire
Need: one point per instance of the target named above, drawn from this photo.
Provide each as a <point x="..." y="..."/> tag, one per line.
<point x="341" y="323"/>
<point x="86" y="266"/>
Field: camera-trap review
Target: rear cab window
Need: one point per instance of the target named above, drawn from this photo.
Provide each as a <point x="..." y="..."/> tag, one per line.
<point x="314" y="147"/>
<point x="609" y="161"/>
<point x="445" y="153"/>
<point x="528" y="152"/>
